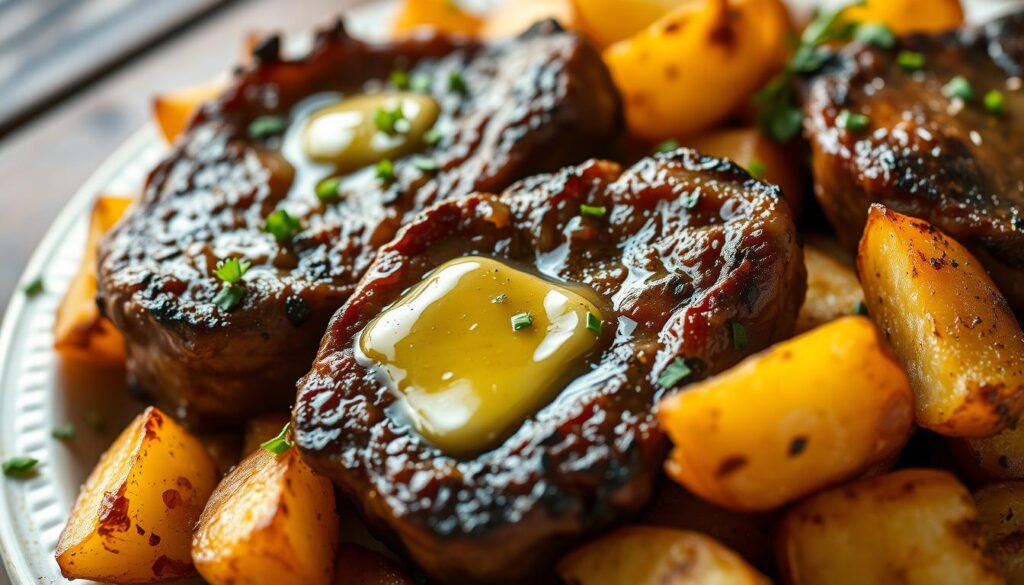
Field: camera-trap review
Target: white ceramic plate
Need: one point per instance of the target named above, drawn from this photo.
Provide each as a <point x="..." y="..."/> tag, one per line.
<point x="38" y="391"/>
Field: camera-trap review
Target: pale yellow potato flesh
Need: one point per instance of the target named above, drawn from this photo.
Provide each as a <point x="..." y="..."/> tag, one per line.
<point x="648" y="555"/>
<point x="271" y="521"/>
<point x="912" y="527"/>
<point x="946" y="320"/>
<point x="134" y="517"/>
<point x="833" y="290"/>
<point x="807" y="413"/>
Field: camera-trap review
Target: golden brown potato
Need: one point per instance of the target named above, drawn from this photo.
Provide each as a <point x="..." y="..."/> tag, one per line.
<point x="263" y="428"/>
<point x="79" y="331"/>
<point x="1001" y="517"/>
<point x="809" y="412"/>
<point x="833" y="290"/>
<point x="905" y="16"/>
<point x="607" y="21"/>
<point x="271" y="521"/>
<point x="173" y="110"/>
<point x="912" y="527"/>
<point x="765" y="158"/>
<point x="133" y="520"/>
<point x="697" y="64"/>
<point x="994" y="458"/>
<point x="647" y="555"/>
<point x="947" y="322"/>
<point x="511" y="17"/>
<point x="360" y="566"/>
<point x="442" y="15"/>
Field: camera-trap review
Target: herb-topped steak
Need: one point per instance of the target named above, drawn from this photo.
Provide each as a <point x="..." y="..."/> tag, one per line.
<point x="300" y="170"/>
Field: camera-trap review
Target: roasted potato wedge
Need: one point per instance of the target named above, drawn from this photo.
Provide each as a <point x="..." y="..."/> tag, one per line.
<point x="263" y="428"/>
<point x="511" y="17"/>
<point x="996" y="458"/>
<point x="79" y="331"/>
<point x="1001" y="517"/>
<point x="907" y="16"/>
<point x="360" y="566"/>
<point x="948" y="323"/>
<point x="607" y="21"/>
<point x="271" y="521"/>
<point x="727" y="48"/>
<point x="647" y="555"/>
<point x="833" y="290"/>
<point x="912" y="527"/>
<point x="807" y="413"/>
<point x="442" y="15"/>
<point x="134" y="517"/>
<point x="173" y="110"/>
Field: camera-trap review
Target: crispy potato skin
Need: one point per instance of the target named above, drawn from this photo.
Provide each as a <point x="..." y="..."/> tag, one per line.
<point x="134" y="517"/>
<point x="360" y="566"/>
<point x="271" y="521"/>
<point x="1001" y="517"/>
<point x="729" y="48"/>
<point x="79" y="331"/>
<point x="442" y="15"/>
<point x="948" y="323"/>
<point x="988" y="459"/>
<point x="911" y="527"/>
<point x="648" y="555"/>
<point x="833" y="290"/>
<point x="173" y="110"/>
<point x="906" y="16"/>
<point x="804" y="414"/>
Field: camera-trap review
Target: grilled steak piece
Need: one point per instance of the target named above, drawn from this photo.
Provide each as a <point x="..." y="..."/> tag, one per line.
<point x="690" y="251"/>
<point x="507" y="110"/>
<point x="947" y="160"/>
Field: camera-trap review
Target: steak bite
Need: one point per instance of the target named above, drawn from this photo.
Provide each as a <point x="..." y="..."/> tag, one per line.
<point x="302" y="168"/>
<point x="943" y="139"/>
<point x="677" y="268"/>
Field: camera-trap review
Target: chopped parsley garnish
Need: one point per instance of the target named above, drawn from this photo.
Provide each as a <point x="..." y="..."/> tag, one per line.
<point x="456" y="83"/>
<point x="959" y="88"/>
<point x="33" y="287"/>
<point x="847" y="120"/>
<point x="739" y="335"/>
<point x="229" y="297"/>
<point x="385" y="170"/>
<point x="387" y="120"/>
<point x="231" y="270"/>
<point x="280" y="443"/>
<point x="876" y="34"/>
<point x="328" y="188"/>
<point x="427" y="165"/>
<point x="666" y="146"/>
<point x="756" y="169"/>
<point x="860" y="308"/>
<point x="674" y="373"/>
<point x="594" y="323"/>
<point x="20" y="467"/>
<point x="421" y="83"/>
<point x="910" y="60"/>
<point x="266" y="126"/>
<point x="432" y="137"/>
<point x="593" y="210"/>
<point x="282" y="225"/>
<point x="63" y="432"/>
<point x="400" y="79"/>
<point x="521" y="321"/>
<point x="995" y="103"/>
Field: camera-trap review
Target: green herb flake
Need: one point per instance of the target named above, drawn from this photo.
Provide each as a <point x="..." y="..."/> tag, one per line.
<point x="959" y="88"/>
<point x="385" y="170"/>
<point x="229" y="297"/>
<point x="432" y="137"/>
<point x="267" y="126"/>
<point x="756" y="169"/>
<point x="328" y="188"/>
<point x="593" y="210"/>
<point x="847" y="120"/>
<point x="674" y="373"/>
<point x="667" y="146"/>
<point x="280" y="443"/>
<point x="20" y="467"/>
<point x="594" y="323"/>
<point x="421" y="83"/>
<point x="910" y="60"/>
<point x="739" y="335"/>
<point x="231" y="270"/>
<point x="456" y="83"/>
<point x="521" y="321"/>
<point x="63" y="432"/>
<point x="995" y="102"/>
<point x="33" y="287"/>
<point x="782" y="122"/>
<point x="875" y="33"/>
<point x="806" y="59"/>
<point x="426" y="165"/>
<point x="400" y="79"/>
<point x="282" y="225"/>
<point x="387" y="120"/>
<point x="860" y="308"/>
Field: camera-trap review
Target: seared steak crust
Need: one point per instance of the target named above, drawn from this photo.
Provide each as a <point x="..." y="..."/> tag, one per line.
<point x="689" y="246"/>
<point x="528" y="105"/>
<point x="954" y="164"/>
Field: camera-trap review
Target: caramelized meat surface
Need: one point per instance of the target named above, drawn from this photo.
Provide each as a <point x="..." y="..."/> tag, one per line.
<point x="699" y="265"/>
<point x="507" y="110"/>
<point x="953" y="161"/>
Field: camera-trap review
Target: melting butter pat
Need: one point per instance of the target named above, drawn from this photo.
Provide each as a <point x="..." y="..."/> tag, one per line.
<point x="362" y="130"/>
<point x="465" y="376"/>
